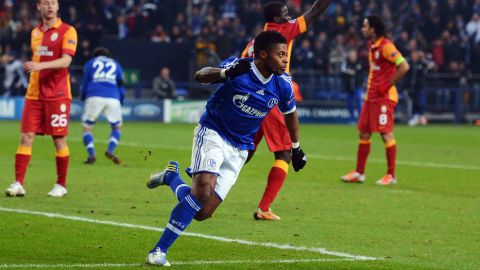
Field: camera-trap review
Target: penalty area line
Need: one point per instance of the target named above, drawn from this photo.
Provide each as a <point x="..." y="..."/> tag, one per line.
<point x="198" y="235"/>
<point x="199" y="262"/>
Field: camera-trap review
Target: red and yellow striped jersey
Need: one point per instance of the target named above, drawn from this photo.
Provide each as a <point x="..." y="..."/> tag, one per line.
<point x="290" y="30"/>
<point x="51" y="84"/>
<point x="384" y="58"/>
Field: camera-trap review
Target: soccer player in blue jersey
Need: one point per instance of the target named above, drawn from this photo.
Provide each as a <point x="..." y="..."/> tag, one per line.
<point x="103" y="92"/>
<point x="249" y="89"/>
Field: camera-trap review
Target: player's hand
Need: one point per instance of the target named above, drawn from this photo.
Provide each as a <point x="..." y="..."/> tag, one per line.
<point x="31" y="66"/>
<point x="299" y="159"/>
<point x="241" y="67"/>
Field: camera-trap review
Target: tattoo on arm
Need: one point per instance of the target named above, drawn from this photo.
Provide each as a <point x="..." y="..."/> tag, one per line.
<point x="208" y="75"/>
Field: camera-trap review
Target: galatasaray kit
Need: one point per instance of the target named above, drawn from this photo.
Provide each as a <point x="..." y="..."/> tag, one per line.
<point x="273" y="127"/>
<point x="48" y="98"/>
<point x="382" y="97"/>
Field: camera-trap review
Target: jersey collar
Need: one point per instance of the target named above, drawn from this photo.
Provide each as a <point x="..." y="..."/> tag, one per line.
<point x="55" y="25"/>
<point x="377" y="43"/>
<point x="259" y="75"/>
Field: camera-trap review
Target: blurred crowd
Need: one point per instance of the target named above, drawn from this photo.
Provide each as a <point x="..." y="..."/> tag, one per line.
<point x="446" y="32"/>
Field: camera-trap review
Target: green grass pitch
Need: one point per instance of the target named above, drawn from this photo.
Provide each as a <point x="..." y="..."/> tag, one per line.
<point x="110" y="220"/>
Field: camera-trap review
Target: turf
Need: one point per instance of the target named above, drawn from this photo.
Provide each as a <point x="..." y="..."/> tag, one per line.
<point x="428" y="221"/>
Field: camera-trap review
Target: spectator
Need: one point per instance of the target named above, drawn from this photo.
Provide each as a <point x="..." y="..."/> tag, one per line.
<point x="14" y="81"/>
<point x="352" y="80"/>
<point x="415" y="80"/>
<point x="473" y="28"/>
<point x="122" y="29"/>
<point x="159" y="35"/>
<point x="163" y="86"/>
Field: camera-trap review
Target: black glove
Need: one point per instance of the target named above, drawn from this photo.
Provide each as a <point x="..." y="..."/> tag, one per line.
<point x="299" y="159"/>
<point x="241" y="67"/>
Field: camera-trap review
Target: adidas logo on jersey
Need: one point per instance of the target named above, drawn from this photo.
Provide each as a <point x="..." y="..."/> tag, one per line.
<point x="261" y="92"/>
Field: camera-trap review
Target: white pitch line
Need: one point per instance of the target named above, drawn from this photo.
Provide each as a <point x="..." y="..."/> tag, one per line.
<point x="399" y="162"/>
<point x="202" y="262"/>
<point x="205" y="236"/>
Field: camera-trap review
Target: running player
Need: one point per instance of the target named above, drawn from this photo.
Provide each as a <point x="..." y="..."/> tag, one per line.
<point x="233" y="114"/>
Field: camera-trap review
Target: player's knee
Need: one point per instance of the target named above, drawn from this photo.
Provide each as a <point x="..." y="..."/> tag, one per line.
<point x="203" y="215"/>
<point x="365" y="136"/>
<point x="115" y="126"/>
<point x="284" y="155"/>
<point x="203" y="187"/>
<point x="26" y="139"/>
<point x="202" y="193"/>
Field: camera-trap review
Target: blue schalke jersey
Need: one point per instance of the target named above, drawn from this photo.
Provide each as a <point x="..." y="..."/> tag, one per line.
<point x="100" y="79"/>
<point x="237" y="108"/>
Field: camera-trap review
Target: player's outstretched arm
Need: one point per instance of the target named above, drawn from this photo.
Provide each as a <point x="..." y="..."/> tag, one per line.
<point x="299" y="159"/>
<point x="215" y="75"/>
<point x="209" y="75"/>
<point x="317" y="9"/>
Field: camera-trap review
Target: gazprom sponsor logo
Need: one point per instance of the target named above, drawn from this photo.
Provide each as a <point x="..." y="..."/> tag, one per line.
<point x="147" y="110"/>
<point x="239" y="101"/>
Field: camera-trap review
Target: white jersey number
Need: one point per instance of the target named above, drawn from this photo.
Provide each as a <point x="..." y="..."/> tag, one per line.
<point x="104" y="71"/>
<point x="382" y="119"/>
<point x="59" y="120"/>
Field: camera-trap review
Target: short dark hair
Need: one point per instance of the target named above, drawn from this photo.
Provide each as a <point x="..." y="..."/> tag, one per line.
<point x="377" y="23"/>
<point x="272" y="10"/>
<point x="265" y="40"/>
<point x="101" y="51"/>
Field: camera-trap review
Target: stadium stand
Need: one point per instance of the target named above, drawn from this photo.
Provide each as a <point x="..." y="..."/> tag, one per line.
<point x="448" y="32"/>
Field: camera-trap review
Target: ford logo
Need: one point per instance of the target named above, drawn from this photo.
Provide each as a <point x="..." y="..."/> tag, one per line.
<point x="146" y="110"/>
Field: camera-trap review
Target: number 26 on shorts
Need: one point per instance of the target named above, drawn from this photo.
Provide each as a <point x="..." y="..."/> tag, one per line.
<point x="59" y="120"/>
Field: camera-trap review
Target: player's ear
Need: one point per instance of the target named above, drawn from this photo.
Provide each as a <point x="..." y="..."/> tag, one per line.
<point x="262" y="54"/>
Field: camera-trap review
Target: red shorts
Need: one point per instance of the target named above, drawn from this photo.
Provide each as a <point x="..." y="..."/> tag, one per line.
<point x="46" y="117"/>
<point x="275" y="131"/>
<point x="377" y="116"/>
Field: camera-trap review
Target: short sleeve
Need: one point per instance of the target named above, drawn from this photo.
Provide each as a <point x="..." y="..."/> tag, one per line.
<point x="392" y="55"/>
<point x="290" y="29"/>
<point x="287" y="102"/>
<point x="69" y="43"/>
<point x="228" y="62"/>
